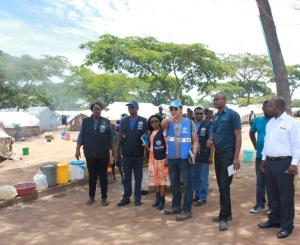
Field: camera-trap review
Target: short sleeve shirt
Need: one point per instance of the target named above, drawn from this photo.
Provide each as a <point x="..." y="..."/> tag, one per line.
<point x="259" y="127"/>
<point x="224" y="125"/>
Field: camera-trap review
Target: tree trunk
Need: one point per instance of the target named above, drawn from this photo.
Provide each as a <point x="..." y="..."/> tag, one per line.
<point x="248" y="99"/>
<point x="279" y="68"/>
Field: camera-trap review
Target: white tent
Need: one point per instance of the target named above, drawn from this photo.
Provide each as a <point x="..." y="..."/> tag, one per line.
<point x="22" y="119"/>
<point x="27" y="124"/>
<point x="49" y="120"/>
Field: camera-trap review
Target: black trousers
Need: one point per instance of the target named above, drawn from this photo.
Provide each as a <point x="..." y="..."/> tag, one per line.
<point x="223" y="159"/>
<point x="97" y="167"/>
<point x="281" y="192"/>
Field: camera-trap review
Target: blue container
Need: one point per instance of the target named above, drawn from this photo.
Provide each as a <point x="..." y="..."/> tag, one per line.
<point x="248" y="156"/>
<point x="77" y="170"/>
<point x="62" y="134"/>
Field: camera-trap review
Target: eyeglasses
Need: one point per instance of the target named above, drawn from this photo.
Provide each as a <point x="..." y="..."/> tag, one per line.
<point x="173" y="108"/>
<point x="199" y="113"/>
<point x="131" y="107"/>
<point x="154" y="121"/>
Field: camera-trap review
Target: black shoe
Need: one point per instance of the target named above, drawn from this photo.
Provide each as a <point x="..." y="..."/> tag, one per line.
<point x="223" y="226"/>
<point x="283" y="233"/>
<point x="156" y="202"/>
<point x="90" y="201"/>
<point x="123" y="203"/>
<point x="104" y="202"/>
<point x="199" y="202"/>
<point x="137" y="203"/>
<point x="217" y="219"/>
<point x="172" y="210"/>
<point x="161" y="204"/>
<point x="267" y="225"/>
<point x="183" y="216"/>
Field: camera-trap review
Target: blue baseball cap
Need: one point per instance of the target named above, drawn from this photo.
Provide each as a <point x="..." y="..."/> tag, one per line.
<point x="176" y="103"/>
<point x="133" y="102"/>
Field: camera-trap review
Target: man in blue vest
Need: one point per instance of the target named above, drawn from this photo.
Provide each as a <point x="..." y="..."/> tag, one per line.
<point x="227" y="140"/>
<point x="182" y="143"/>
<point x="132" y="128"/>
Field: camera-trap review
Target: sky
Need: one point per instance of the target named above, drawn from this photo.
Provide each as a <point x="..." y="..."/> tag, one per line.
<point x="58" y="27"/>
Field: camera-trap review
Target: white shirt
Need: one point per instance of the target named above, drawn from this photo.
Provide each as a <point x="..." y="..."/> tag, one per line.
<point x="282" y="138"/>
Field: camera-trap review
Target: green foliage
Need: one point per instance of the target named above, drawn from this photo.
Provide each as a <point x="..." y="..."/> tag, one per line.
<point x="257" y="100"/>
<point x="150" y="60"/>
<point x="21" y="77"/>
<point x="105" y="88"/>
<point x="296" y="103"/>
<point x="294" y="77"/>
<point x="251" y="72"/>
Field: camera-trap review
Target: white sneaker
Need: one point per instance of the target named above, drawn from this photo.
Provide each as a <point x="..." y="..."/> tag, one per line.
<point x="256" y="209"/>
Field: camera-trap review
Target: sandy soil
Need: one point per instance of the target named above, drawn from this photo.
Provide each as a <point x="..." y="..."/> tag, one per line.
<point x="65" y="219"/>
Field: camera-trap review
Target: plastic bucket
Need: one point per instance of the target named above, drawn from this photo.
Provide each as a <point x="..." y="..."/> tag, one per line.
<point x="248" y="156"/>
<point x="77" y="170"/>
<point x="50" y="171"/>
<point x="67" y="136"/>
<point x="62" y="134"/>
<point x="25" y="151"/>
<point x="62" y="173"/>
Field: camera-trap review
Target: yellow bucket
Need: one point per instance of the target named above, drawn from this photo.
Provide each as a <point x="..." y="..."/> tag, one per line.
<point x="62" y="175"/>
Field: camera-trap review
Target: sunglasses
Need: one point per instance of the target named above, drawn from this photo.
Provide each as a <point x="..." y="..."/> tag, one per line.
<point x="199" y="113"/>
<point x="131" y="107"/>
<point x="173" y="108"/>
<point x="154" y="121"/>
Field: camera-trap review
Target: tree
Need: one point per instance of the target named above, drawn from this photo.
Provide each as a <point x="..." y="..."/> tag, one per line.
<point x="250" y="72"/>
<point x="21" y="77"/>
<point x="105" y="88"/>
<point x="231" y="89"/>
<point x="294" y="78"/>
<point x="279" y="68"/>
<point x="150" y="60"/>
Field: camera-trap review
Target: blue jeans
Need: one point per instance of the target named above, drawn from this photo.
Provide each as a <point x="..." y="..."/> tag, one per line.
<point x="181" y="167"/>
<point x="135" y="164"/>
<point x="260" y="185"/>
<point x="200" y="172"/>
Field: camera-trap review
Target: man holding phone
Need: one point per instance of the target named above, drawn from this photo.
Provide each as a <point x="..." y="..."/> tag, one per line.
<point x="182" y="142"/>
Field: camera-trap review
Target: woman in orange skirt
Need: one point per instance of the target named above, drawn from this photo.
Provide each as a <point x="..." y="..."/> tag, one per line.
<point x="158" y="167"/>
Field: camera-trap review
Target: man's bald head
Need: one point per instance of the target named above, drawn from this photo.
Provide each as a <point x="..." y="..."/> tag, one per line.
<point x="276" y="106"/>
<point x="279" y="102"/>
<point x="220" y="100"/>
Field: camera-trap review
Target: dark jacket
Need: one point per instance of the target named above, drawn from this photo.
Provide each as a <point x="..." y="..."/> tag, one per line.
<point x="96" y="137"/>
<point x="131" y="144"/>
<point x="203" y="134"/>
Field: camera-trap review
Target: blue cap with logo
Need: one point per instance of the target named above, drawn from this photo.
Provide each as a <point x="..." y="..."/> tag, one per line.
<point x="176" y="103"/>
<point x="133" y="102"/>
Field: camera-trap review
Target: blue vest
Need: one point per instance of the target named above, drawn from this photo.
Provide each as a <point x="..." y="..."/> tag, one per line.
<point x="159" y="145"/>
<point x="185" y="139"/>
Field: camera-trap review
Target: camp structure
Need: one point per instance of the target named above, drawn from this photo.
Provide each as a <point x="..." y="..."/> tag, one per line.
<point x="19" y="124"/>
<point x="5" y="145"/>
<point x="75" y="122"/>
<point x="49" y="120"/>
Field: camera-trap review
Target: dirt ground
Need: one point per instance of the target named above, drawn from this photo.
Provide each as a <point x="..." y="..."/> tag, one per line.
<point x="65" y="219"/>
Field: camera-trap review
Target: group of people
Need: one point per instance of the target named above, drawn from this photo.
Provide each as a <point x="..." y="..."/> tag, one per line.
<point x="180" y="149"/>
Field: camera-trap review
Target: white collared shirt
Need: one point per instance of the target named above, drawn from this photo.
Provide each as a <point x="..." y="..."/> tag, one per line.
<point x="282" y="138"/>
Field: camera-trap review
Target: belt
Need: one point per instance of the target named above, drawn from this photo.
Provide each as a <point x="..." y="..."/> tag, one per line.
<point x="277" y="158"/>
